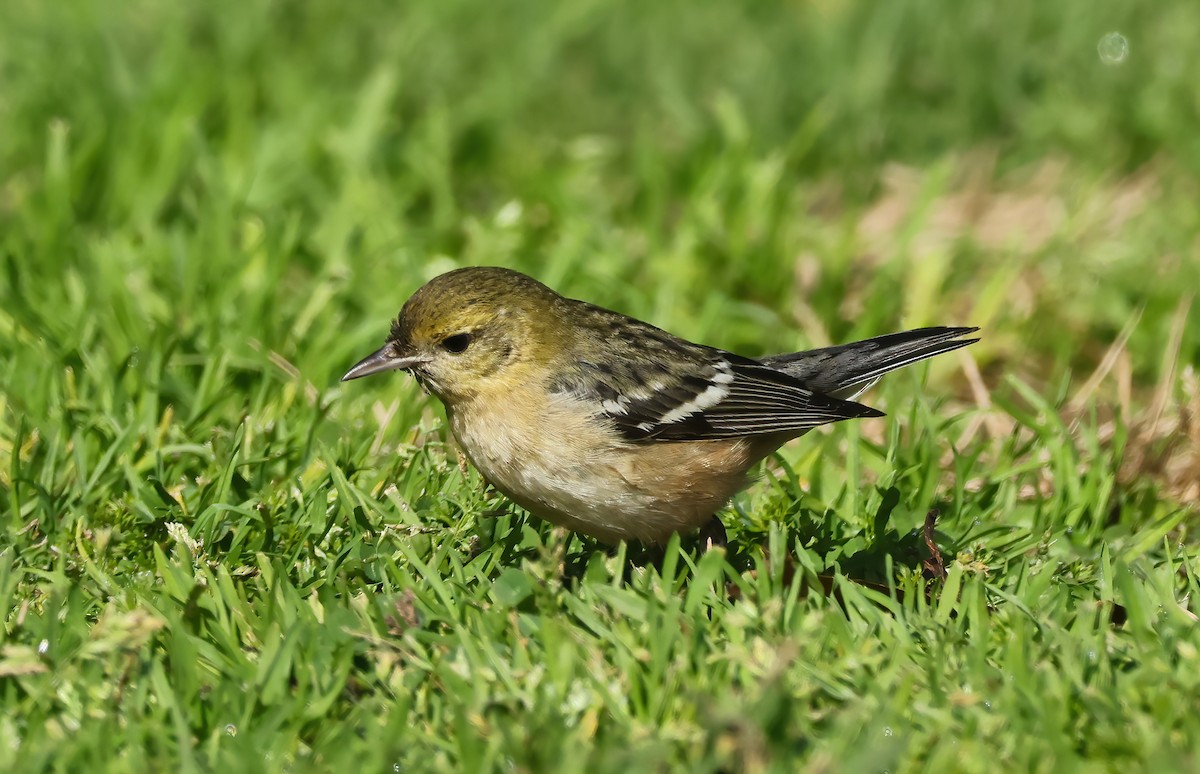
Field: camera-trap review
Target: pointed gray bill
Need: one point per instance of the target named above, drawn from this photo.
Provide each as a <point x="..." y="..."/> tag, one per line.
<point x="386" y="358"/>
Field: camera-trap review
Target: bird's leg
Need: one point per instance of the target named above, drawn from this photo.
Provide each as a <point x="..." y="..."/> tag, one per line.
<point x="713" y="534"/>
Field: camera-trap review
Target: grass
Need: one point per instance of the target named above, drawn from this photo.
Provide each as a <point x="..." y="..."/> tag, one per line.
<point x="214" y="556"/>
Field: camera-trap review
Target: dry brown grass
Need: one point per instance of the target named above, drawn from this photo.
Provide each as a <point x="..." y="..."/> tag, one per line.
<point x="1015" y="222"/>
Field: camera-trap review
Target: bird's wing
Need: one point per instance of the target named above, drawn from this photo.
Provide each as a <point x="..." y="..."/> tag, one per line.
<point x="654" y="386"/>
<point x="736" y="397"/>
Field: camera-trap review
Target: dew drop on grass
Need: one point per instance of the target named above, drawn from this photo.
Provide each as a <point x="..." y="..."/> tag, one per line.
<point x="231" y="730"/>
<point x="396" y="767"/>
<point x="887" y="731"/>
<point x="1113" y="48"/>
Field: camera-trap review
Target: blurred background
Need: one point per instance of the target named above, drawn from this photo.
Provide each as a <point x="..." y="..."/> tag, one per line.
<point x="210" y="210"/>
<point x="755" y="175"/>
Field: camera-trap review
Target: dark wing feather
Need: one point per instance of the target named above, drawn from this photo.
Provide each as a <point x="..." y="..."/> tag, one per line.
<point x="757" y="400"/>
<point x="652" y="385"/>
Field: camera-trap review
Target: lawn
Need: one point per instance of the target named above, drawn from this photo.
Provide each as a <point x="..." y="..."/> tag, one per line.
<point x="215" y="556"/>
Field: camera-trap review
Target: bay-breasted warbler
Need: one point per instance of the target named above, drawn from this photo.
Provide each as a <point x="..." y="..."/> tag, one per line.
<point x="605" y="424"/>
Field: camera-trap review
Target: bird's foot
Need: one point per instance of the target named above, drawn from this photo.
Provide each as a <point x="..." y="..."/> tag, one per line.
<point x="712" y="535"/>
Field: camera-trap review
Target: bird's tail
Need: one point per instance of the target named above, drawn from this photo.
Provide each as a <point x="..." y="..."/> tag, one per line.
<point x="847" y="370"/>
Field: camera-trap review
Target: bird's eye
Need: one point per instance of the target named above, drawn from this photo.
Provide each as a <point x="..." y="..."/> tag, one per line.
<point x="457" y="343"/>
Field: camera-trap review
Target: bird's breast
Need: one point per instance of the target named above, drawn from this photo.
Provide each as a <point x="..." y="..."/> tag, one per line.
<point x="569" y="467"/>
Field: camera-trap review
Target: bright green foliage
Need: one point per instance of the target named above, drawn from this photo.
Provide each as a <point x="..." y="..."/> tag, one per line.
<point x="213" y="556"/>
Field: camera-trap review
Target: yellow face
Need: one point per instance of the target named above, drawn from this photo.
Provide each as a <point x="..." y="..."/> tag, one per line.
<point x="463" y="329"/>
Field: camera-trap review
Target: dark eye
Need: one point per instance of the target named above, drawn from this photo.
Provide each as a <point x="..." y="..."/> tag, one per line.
<point x="457" y="343"/>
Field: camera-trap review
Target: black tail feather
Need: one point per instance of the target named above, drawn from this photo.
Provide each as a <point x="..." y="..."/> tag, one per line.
<point x="850" y="368"/>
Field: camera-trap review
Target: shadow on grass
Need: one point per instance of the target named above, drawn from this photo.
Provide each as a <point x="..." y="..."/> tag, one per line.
<point x="863" y="554"/>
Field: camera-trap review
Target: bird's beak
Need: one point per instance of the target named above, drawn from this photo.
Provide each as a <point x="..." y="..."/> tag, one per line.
<point x="386" y="358"/>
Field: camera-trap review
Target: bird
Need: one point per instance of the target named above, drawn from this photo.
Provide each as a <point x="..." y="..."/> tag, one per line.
<point x="607" y="425"/>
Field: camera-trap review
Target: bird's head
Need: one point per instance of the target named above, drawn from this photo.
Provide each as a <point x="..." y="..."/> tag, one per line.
<point x="465" y="329"/>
